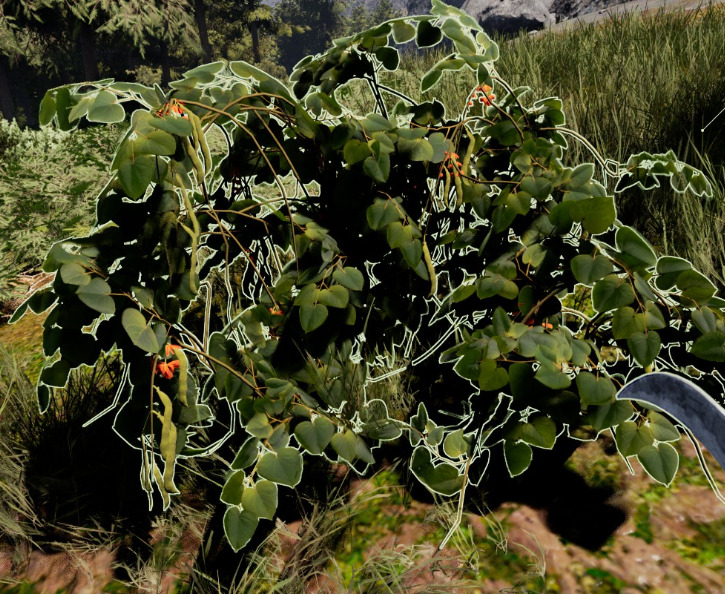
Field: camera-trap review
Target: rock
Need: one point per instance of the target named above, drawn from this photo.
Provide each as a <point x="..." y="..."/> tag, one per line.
<point x="510" y="16"/>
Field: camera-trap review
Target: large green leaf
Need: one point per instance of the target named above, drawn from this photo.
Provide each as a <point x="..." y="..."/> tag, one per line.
<point x="635" y="251"/>
<point x="139" y="331"/>
<point x="611" y="292"/>
<point x="315" y="436"/>
<point x="443" y="479"/>
<point x="660" y="461"/>
<point x="668" y="269"/>
<point x="283" y="467"/>
<point x="644" y="346"/>
<point x="234" y="488"/>
<point x="106" y="109"/>
<point x="312" y="316"/>
<point x="594" y="389"/>
<point x="96" y="295"/>
<point x="517" y="455"/>
<point x="631" y="438"/>
<point x="261" y="499"/>
<point x="135" y="173"/>
<point x="710" y="347"/>
<point x="239" y="527"/>
<point x="539" y="431"/>
<point x="609" y="415"/>
<point x="349" y="277"/>
<point x="662" y="428"/>
<point x="588" y="269"/>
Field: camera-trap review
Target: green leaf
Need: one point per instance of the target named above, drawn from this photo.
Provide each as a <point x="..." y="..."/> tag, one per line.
<point x="588" y="269"/>
<point x="259" y="426"/>
<point x="377" y="169"/>
<point x="74" y="274"/>
<point x="710" y="347"/>
<point x="594" y="389"/>
<point x="427" y="34"/>
<point x="106" y="109"/>
<point x="345" y="444"/>
<point x="668" y="269"/>
<point x="429" y="79"/>
<point x="635" y="251"/>
<point x="349" y="277"/>
<point x="172" y="125"/>
<point x="539" y="431"/>
<point x="517" y="456"/>
<point x="234" y="488"/>
<point x="595" y="214"/>
<point x="283" y="467"/>
<point x="695" y="286"/>
<point x="609" y="415"/>
<point x="47" y="109"/>
<point x="315" y="436"/>
<point x="660" y="462"/>
<point x="239" y="527"/>
<point x="631" y="438"/>
<point x="442" y="479"/>
<point x="551" y="376"/>
<point x="140" y="333"/>
<point x="644" y="346"/>
<point x="135" y="174"/>
<point x="388" y="56"/>
<point x="261" y="499"/>
<point x="247" y="454"/>
<point x="492" y="377"/>
<point x="96" y="295"/>
<point x="312" y="316"/>
<point x="355" y="150"/>
<point x="403" y="32"/>
<point x="611" y="292"/>
<point x="157" y="142"/>
<point x="625" y="323"/>
<point x="382" y="212"/>
<point x="335" y="296"/>
<point x="661" y="427"/>
<point x="454" y="445"/>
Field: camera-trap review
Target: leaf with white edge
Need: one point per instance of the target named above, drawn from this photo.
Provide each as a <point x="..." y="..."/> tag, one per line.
<point x="661" y="427"/>
<point x="239" y="527"/>
<point x="96" y="295"/>
<point x="443" y="479"/>
<point x="454" y="445"/>
<point x="140" y="333"/>
<point x="551" y="376"/>
<point x="247" y="454"/>
<point x="609" y="415"/>
<point x="631" y="438"/>
<point x="517" y="456"/>
<point x="261" y="499"/>
<point x="74" y="274"/>
<point x="644" y="346"/>
<point x="588" y="269"/>
<point x="234" y="488"/>
<point x="668" y="269"/>
<point x="635" y="251"/>
<point x="611" y="292"/>
<point x="312" y="316"/>
<point x="660" y="462"/>
<point x="315" y="436"/>
<point x="539" y="432"/>
<point x="491" y="377"/>
<point x="105" y="109"/>
<point x="135" y="174"/>
<point x="283" y="467"/>
<point x="259" y="426"/>
<point x="710" y="347"/>
<point x="594" y="389"/>
<point x="695" y="286"/>
<point x="403" y="32"/>
<point x="345" y="444"/>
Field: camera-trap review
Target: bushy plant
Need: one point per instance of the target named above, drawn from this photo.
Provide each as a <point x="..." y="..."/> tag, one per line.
<point x="450" y="241"/>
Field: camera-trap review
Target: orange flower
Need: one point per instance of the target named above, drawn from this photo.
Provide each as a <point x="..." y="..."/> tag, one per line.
<point x="170" y="348"/>
<point x="276" y="311"/>
<point x="167" y="368"/>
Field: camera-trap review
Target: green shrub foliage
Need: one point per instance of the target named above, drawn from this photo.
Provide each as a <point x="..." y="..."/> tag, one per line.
<point x="268" y="275"/>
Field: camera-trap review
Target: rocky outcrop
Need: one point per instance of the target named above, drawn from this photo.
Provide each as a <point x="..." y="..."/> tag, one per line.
<point x="510" y="16"/>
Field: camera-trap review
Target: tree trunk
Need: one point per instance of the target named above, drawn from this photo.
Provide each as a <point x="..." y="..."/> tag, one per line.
<point x="254" y="30"/>
<point x="200" y="15"/>
<point x="7" y="105"/>
<point x="87" y="37"/>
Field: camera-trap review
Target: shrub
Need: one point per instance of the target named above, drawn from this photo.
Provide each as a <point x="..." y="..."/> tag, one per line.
<point x="450" y="241"/>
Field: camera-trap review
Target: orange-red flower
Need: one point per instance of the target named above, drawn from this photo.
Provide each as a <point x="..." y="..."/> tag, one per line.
<point x="167" y="368"/>
<point x="276" y="311"/>
<point x="483" y="94"/>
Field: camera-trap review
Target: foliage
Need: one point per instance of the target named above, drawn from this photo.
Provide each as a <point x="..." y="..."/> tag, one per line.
<point x="451" y="240"/>
<point x="47" y="179"/>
